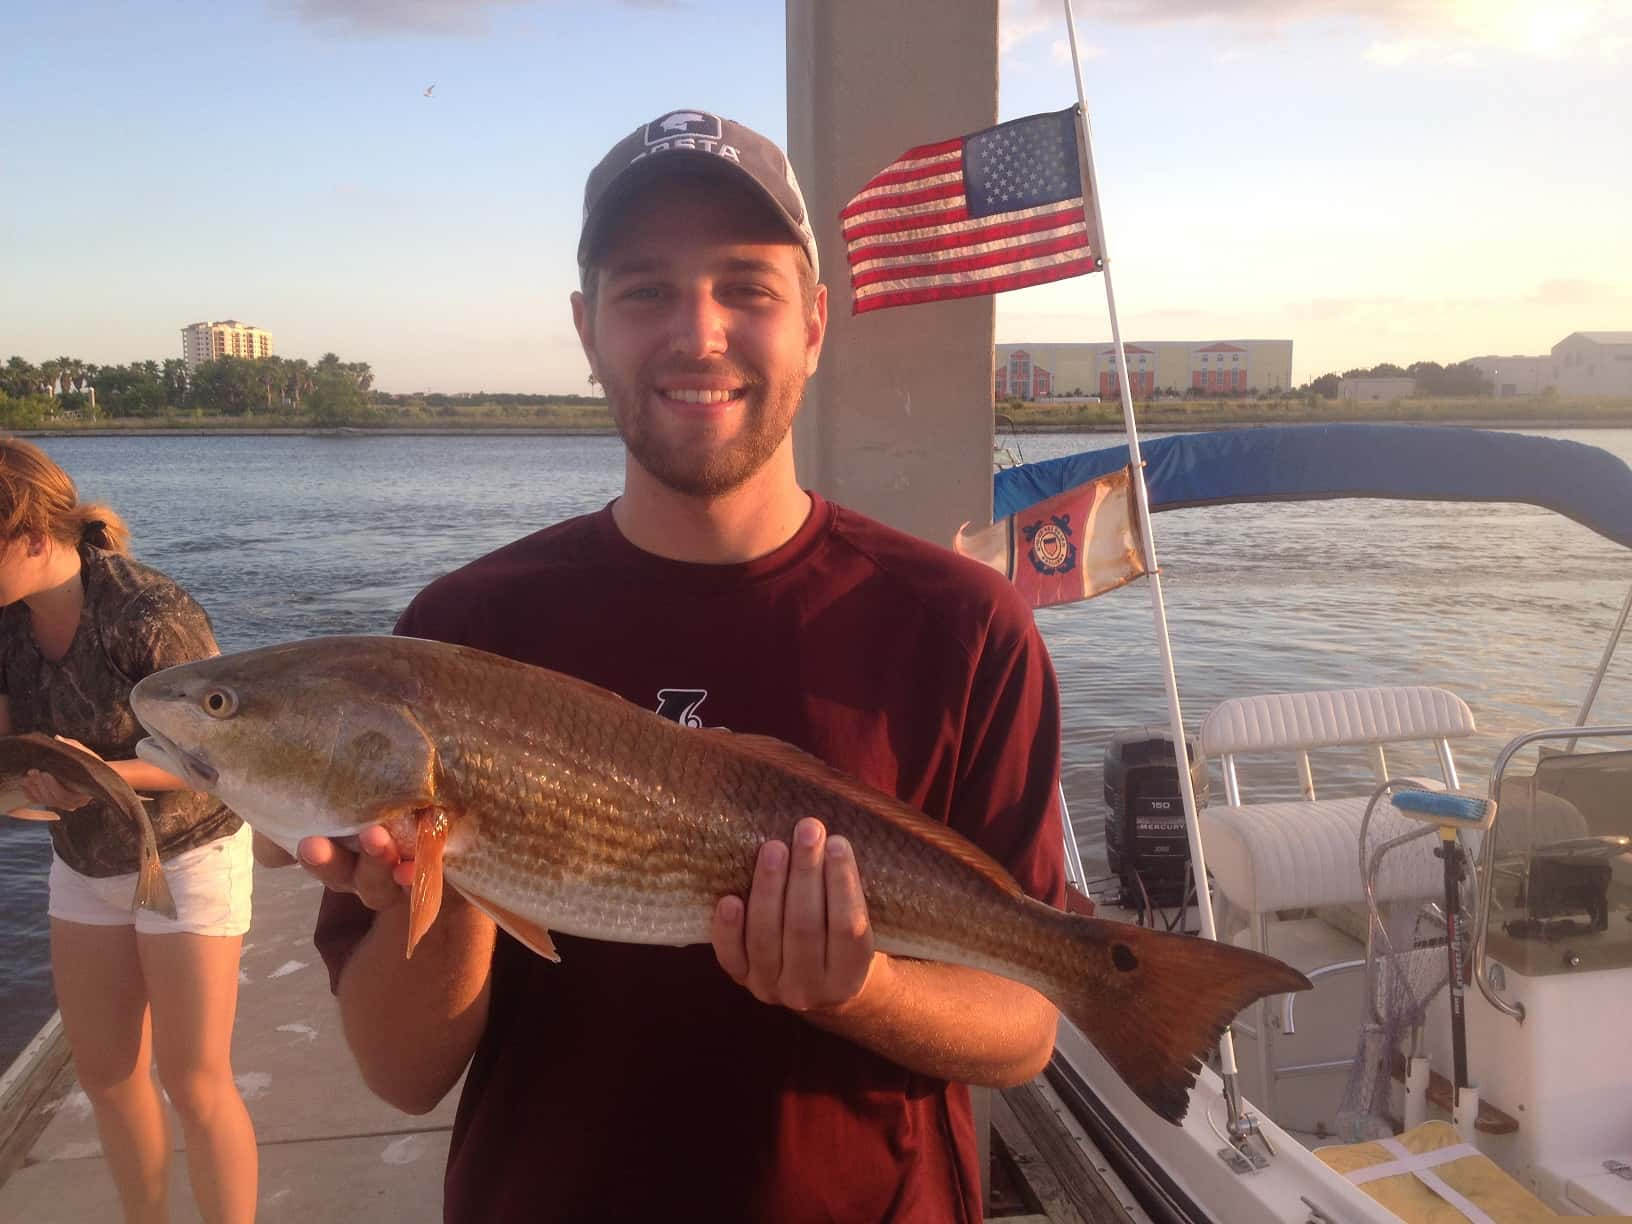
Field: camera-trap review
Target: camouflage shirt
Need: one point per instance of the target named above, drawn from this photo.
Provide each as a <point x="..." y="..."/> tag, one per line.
<point x="134" y="622"/>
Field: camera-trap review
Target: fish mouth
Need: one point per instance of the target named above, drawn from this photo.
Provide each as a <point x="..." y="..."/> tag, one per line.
<point x="190" y="768"/>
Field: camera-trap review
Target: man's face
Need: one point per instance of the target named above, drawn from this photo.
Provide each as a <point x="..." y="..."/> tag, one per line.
<point x="699" y="333"/>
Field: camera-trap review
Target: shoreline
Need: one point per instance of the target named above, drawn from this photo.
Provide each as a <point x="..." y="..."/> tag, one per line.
<point x="608" y="431"/>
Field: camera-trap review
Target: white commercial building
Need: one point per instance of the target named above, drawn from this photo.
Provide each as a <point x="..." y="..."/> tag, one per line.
<point x="1061" y="370"/>
<point x="1375" y="388"/>
<point x="1593" y="363"/>
<point x="1510" y="376"/>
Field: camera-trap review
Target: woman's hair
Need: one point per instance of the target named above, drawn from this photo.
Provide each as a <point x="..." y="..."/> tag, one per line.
<point x="37" y="496"/>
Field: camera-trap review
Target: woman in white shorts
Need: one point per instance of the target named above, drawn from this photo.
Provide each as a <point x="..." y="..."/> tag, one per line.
<point x="80" y="624"/>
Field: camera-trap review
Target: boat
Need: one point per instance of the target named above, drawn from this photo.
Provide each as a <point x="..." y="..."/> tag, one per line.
<point x="1525" y="1095"/>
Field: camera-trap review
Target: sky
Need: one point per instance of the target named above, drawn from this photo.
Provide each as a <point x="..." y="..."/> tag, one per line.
<point x="1377" y="180"/>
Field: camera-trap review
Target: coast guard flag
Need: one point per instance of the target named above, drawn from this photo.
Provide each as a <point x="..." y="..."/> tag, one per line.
<point x="1075" y="545"/>
<point x="996" y="210"/>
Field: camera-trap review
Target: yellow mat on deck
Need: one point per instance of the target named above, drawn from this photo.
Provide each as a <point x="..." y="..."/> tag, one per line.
<point x="1429" y="1176"/>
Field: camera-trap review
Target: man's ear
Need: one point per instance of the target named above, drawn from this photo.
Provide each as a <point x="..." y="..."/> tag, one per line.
<point x="815" y="330"/>
<point x="36" y="543"/>
<point x="583" y="321"/>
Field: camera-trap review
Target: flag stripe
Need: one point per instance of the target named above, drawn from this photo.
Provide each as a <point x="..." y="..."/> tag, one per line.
<point x="1006" y="256"/>
<point x="919" y="170"/>
<point x="911" y="216"/>
<point x="1019" y="280"/>
<point x="965" y="232"/>
<point x="948" y="188"/>
<point x="971" y="242"/>
<point x="924" y="152"/>
<point x="936" y="280"/>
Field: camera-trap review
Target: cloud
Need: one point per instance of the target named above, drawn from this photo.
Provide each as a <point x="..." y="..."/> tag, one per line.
<point x="415" y="16"/>
<point x="1567" y="292"/>
<point x="1441" y="33"/>
<point x="1060" y="51"/>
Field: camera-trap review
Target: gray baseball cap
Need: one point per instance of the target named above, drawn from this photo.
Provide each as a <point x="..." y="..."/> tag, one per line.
<point x="690" y="140"/>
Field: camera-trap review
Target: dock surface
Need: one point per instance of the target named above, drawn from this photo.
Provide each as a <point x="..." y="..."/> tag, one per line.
<point x="330" y="1149"/>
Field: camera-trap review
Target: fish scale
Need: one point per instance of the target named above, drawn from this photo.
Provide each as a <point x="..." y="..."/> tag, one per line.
<point x="570" y="809"/>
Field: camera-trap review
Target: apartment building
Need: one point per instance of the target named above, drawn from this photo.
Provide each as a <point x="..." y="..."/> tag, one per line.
<point x="226" y="338"/>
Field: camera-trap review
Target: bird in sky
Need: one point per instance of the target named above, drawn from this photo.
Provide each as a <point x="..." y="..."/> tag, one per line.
<point x="428" y="89"/>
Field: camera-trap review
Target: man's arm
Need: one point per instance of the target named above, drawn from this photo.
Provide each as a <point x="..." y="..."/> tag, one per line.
<point x="802" y="940"/>
<point x="412" y="1024"/>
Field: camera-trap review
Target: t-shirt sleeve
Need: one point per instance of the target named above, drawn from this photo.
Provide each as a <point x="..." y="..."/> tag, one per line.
<point x="342" y="921"/>
<point x="1007" y="796"/>
<point x="159" y="628"/>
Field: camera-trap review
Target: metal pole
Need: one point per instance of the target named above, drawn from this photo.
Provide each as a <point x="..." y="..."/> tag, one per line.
<point x="1158" y="610"/>
<point x="1603" y="666"/>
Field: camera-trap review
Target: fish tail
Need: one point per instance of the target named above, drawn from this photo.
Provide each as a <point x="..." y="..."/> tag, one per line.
<point x="1155" y="1004"/>
<point x="152" y="889"/>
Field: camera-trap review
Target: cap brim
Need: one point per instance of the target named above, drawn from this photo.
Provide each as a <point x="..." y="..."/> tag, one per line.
<point x="669" y="164"/>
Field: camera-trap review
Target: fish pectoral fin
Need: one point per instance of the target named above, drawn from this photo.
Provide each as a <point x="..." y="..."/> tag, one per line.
<point x="425" y="899"/>
<point x="525" y="930"/>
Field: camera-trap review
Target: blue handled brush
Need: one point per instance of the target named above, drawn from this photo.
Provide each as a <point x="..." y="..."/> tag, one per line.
<point x="1447" y="809"/>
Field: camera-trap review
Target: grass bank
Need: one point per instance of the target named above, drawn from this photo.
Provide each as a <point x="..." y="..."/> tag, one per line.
<point x="1534" y="412"/>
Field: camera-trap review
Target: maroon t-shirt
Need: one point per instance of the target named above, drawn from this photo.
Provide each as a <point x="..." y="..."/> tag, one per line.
<point x="641" y="1083"/>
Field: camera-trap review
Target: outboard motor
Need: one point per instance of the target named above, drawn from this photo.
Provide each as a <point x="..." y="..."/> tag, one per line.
<point x="1145" y="842"/>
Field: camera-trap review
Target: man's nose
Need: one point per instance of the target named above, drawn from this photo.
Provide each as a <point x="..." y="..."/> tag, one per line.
<point x="699" y="327"/>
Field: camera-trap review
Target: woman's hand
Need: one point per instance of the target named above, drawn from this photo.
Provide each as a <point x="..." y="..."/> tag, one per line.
<point x="47" y="792"/>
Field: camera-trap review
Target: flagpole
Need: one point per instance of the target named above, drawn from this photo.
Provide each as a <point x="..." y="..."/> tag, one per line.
<point x="1158" y="609"/>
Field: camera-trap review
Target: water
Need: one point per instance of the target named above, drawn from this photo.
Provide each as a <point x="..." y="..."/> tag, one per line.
<point x="287" y="537"/>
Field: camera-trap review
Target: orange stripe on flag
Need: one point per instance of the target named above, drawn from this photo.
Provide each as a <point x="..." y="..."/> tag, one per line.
<point x="1073" y="546"/>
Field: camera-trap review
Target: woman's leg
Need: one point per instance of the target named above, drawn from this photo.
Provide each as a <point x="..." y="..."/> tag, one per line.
<point x="103" y="1000"/>
<point x="192" y="981"/>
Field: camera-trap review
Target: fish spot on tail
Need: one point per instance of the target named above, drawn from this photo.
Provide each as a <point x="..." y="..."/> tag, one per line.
<point x="1123" y="958"/>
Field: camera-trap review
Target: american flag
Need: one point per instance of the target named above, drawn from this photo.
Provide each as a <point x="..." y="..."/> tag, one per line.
<point x="996" y="210"/>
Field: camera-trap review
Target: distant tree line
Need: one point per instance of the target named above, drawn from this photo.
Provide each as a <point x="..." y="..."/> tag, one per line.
<point x="1458" y="379"/>
<point x="330" y="390"/>
<point x="446" y="404"/>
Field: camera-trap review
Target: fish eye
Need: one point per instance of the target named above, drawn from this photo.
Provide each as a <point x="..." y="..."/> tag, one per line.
<point x="220" y="703"/>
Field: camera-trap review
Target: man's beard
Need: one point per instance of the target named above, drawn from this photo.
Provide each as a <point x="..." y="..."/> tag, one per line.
<point x="704" y="469"/>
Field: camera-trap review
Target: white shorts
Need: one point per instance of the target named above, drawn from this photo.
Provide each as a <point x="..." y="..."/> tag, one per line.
<point x="210" y="883"/>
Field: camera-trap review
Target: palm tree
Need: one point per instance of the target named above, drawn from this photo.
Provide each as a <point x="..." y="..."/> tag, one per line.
<point x="299" y="376"/>
<point x="269" y="370"/>
<point x="73" y="373"/>
<point x="174" y="375"/>
<point x="20" y="378"/>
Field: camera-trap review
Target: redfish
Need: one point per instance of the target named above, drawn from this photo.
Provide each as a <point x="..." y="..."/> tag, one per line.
<point x="90" y="775"/>
<point x="553" y="805"/>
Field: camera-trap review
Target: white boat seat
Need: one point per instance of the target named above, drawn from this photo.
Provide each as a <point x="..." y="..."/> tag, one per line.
<point x="1305" y="853"/>
<point x="1275" y="722"/>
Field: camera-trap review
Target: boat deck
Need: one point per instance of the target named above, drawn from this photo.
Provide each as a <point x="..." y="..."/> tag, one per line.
<point x="331" y="1151"/>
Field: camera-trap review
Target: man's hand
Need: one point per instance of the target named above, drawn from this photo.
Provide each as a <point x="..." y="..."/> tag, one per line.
<point x="803" y="939"/>
<point x="375" y="871"/>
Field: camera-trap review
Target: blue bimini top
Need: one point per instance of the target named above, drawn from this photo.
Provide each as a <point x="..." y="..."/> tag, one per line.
<point x="1321" y="462"/>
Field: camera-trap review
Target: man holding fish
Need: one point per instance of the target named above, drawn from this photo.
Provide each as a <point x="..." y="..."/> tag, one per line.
<point x="786" y="931"/>
<point x="791" y="1071"/>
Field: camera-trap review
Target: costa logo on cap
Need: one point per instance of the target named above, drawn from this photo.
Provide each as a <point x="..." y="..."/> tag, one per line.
<point x="683" y="123"/>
